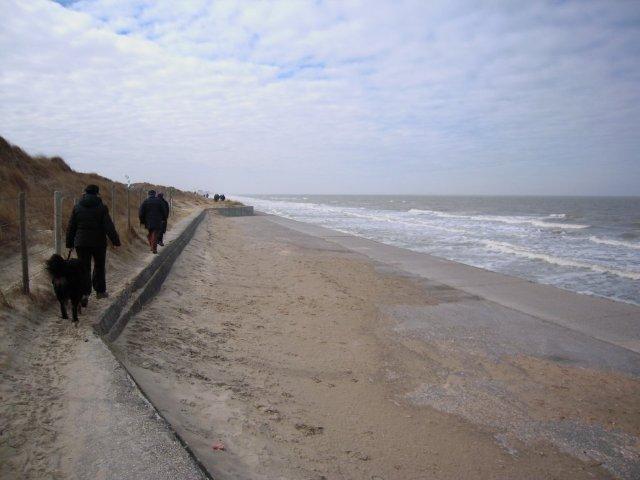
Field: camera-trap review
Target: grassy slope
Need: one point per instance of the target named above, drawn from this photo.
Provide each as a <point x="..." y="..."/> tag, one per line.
<point x="40" y="176"/>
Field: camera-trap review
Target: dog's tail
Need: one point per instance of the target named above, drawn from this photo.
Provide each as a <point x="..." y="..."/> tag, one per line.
<point x="56" y="265"/>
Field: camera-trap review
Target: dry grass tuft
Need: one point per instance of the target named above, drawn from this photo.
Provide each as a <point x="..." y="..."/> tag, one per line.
<point x="4" y="301"/>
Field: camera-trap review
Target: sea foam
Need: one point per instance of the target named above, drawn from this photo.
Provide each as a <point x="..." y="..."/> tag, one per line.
<point x="552" y="259"/>
<point x="615" y="243"/>
<point x="511" y="220"/>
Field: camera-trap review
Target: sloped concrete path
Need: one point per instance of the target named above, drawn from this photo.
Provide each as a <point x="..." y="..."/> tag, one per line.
<point x="112" y="431"/>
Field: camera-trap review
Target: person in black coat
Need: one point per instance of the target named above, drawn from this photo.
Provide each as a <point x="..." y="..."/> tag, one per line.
<point x="164" y="225"/>
<point x="152" y="215"/>
<point x="89" y="226"/>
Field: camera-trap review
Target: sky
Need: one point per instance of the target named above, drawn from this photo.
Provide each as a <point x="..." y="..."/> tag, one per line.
<point x="386" y="97"/>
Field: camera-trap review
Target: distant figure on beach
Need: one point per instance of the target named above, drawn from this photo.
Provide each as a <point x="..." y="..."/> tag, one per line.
<point x="164" y="224"/>
<point x="222" y="197"/>
<point x="89" y="226"/>
<point x="216" y="197"/>
<point x="152" y="215"/>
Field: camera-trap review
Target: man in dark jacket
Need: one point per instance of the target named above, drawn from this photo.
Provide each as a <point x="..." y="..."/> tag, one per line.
<point x="164" y="224"/>
<point x="89" y="226"/>
<point x="152" y="215"/>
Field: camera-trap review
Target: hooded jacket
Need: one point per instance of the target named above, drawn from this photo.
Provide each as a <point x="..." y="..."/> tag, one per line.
<point x="153" y="213"/>
<point x="91" y="224"/>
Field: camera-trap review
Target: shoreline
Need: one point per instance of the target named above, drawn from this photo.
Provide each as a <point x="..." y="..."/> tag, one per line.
<point x="581" y="250"/>
<point x="316" y="354"/>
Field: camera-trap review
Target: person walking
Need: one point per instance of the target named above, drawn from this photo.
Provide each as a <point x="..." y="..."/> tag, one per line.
<point x="164" y="224"/>
<point x="152" y="215"/>
<point x="89" y="226"/>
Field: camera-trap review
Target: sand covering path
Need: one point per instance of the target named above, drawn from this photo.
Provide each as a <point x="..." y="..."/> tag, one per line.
<point x="291" y="351"/>
<point x="67" y="408"/>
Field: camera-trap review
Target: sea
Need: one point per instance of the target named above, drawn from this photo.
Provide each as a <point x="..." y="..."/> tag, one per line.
<point x="589" y="245"/>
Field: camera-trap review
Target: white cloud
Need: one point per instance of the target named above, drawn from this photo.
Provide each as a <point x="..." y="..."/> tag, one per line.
<point x="330" y="96"/>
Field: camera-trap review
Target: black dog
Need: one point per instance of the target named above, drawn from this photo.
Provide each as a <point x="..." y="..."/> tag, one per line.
<point x="68" y="278"/>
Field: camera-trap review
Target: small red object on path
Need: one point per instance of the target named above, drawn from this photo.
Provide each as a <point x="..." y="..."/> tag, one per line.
<point x="218" y="446"/>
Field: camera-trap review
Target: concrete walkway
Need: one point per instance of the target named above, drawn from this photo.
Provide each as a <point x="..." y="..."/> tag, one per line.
<point x="109" y="429"/>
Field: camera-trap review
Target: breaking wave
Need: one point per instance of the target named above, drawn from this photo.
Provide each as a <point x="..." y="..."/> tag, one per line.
<point x="537" y="222"/>
<point x="615" y="243"/>
<point x="565" y="262"/>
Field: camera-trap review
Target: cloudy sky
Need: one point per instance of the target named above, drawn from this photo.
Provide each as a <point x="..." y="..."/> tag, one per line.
<point x="330" y="96"/>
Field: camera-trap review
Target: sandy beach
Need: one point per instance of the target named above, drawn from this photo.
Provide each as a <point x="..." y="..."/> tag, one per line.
<point x="308" y="360"/>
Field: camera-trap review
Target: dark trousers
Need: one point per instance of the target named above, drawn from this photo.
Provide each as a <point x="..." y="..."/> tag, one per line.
<point x="98" y="279"/>
<point x="162" y="232"/>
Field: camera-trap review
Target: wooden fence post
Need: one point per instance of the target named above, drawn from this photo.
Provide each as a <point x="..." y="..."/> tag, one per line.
<point x="139" y="203"/>
<point x="22" y="206"/>
<point x="113" y="203"/>
<point x="57" y="222"/>
<point x="128" y="211"/>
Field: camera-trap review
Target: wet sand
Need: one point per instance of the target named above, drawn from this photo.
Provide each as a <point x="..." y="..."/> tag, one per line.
<point x="307" y="360"/>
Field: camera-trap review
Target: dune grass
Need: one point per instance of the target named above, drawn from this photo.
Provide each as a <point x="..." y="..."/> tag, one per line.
<point x="39" y="176"/>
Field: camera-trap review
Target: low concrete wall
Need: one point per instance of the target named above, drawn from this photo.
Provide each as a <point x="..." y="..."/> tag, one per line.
<point x="147" y="283"/>
<point x="131" y="300"/>
<point x="234" y="211"/>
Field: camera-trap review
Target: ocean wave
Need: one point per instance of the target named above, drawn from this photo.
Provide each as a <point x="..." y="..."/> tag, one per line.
<point x="537" y="222"/>
<point x="616" y="298"/>
<point x="420" y="211"/>
<point x="368" y="216"/>
<point x="615" y="243"/>
<point x="565" y="262"/>
<point x="570" y="226"/>
<point x="399" y="218"/>
<point x="412" y="217"/>
<point x="532" y="221"/>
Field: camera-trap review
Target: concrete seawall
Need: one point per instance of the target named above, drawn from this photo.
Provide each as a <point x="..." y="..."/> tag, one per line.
<point x="144" y="286"/>
<point x="243" y="211"/>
